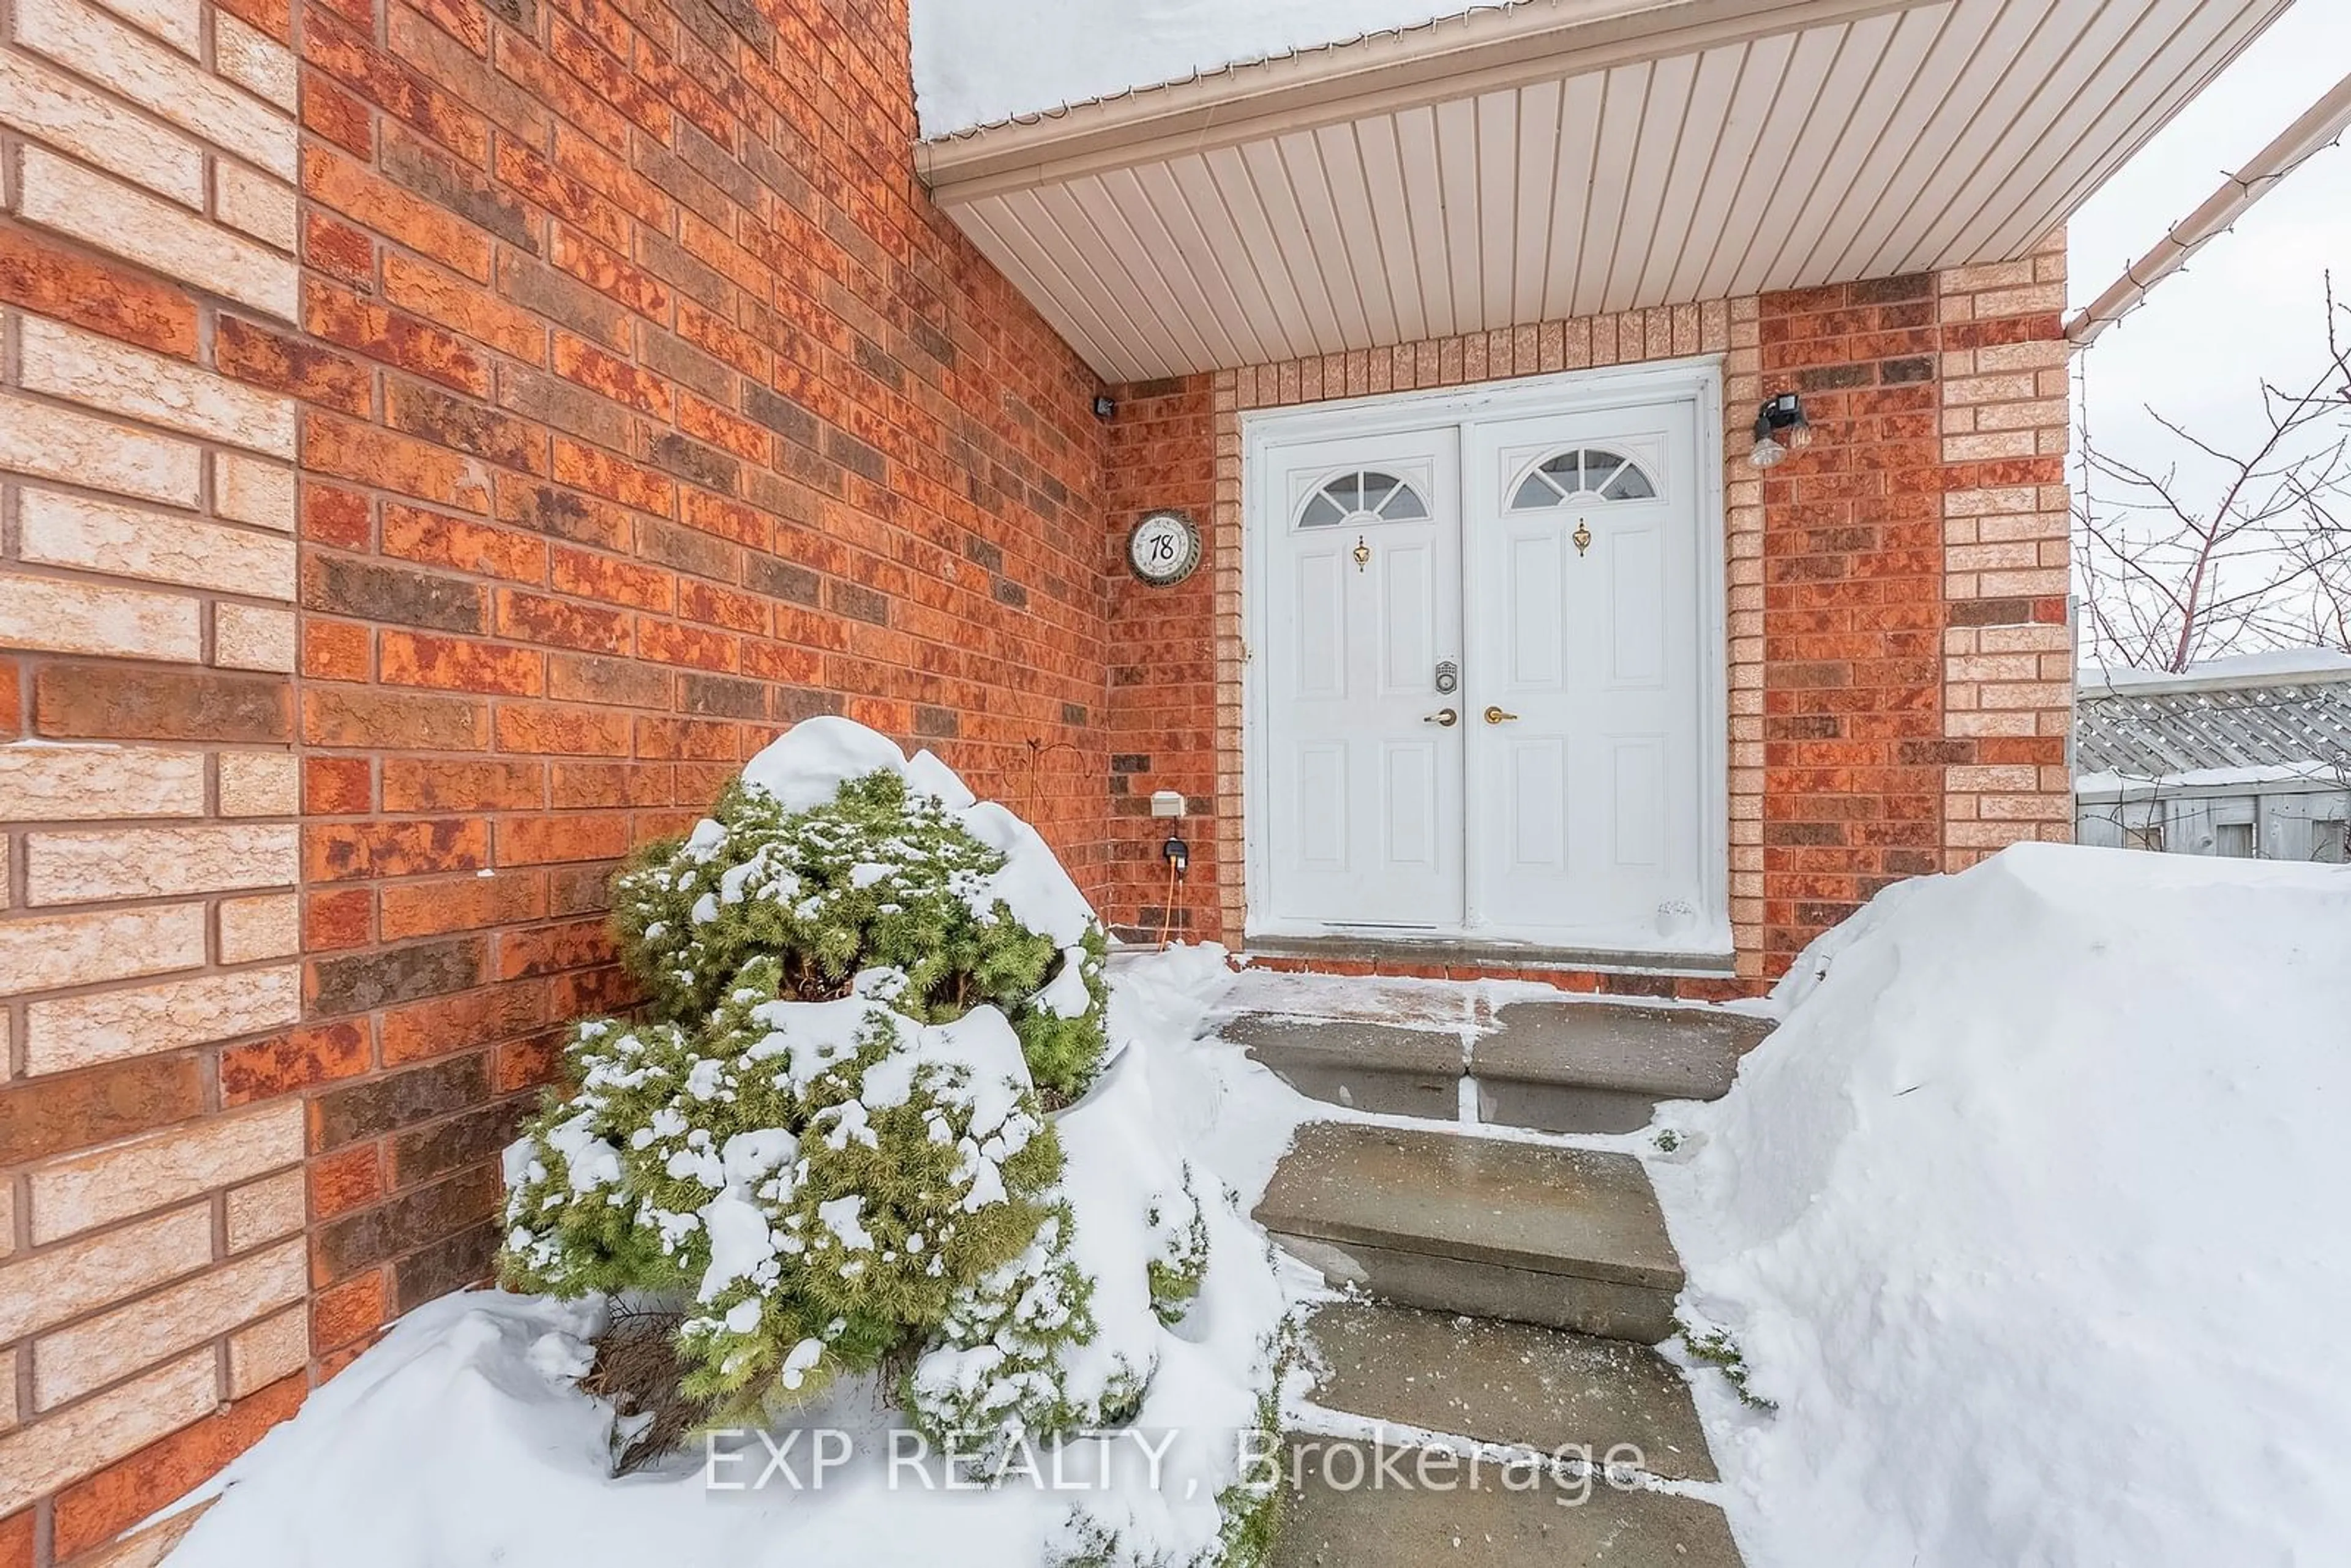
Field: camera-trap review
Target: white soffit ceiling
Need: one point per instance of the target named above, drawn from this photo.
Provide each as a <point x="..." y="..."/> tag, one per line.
<point x="1695" y="151"/>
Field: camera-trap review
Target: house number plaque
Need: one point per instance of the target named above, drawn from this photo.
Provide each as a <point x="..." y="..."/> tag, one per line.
<point x="1163" y="547"/>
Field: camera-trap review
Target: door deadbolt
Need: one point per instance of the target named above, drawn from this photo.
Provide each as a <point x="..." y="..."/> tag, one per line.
<point x="1496" y="716"/>
<point x="1449" y="678"/>
<point x="1445" y="717"/>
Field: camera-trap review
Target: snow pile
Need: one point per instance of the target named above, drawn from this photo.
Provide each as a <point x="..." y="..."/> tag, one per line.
<point x="976" y="64"/>
<point x="461" y="1437"/>
<point x="804" y="766"/>
<point x="2275" y="665"/>
<point x="2030" y="1221"/>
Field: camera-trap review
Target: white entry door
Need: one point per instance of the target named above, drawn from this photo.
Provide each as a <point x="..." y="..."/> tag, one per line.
<point x="1541" y="569"/>
<point x="1586" y="696"/>
<point x="1363" y="602"/>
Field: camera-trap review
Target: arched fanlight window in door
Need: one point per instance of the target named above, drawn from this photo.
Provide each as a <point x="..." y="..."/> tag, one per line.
<point x="1588" y="473"/>
<point x="1364" y="495"/>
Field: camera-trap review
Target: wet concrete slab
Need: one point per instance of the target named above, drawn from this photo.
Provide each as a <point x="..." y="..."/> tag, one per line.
<point x="1605" y="1067"/>
<point x="1507" y="1382"/>
<point x="1566" y="1238"/>
<point x="1363" y="1066"/>
<point x="1336" y="1517"/>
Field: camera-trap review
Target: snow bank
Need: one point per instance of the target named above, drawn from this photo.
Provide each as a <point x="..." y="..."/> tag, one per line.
<point x="460" y="1437"/>
<point x="2030" y="1220"/>
<point x="980" y="61"/>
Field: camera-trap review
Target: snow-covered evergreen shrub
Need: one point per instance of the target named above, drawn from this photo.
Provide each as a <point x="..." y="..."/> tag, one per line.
<point x="1001" y="1367"/>
<point x="883" y="874"/>
<point x="829" y="1144"/>
<point x="1251" y="1504"/>
<point x="1179" y="1251"/>
<point x="816" y="1179"/>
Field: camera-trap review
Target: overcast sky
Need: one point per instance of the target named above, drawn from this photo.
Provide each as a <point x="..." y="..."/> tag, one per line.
<point x="2251" y="304"/>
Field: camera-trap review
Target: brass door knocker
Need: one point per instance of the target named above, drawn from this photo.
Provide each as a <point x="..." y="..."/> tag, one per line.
<point x="1362" y="553"/>
<point x="1582" y="536"/>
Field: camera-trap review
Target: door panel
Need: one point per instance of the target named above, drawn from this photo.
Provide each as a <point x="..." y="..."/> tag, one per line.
<point x="1411" y="810"/>
<point x="1538" y="805"/>
<point x="1321" y="623"/>
<point x="1636" y="802"/>
<point x="1585" y="798"/>
<point x="1319" y="805"/>
<point x="1536" y="635"/>
<point x="1407" y="574"/>
<point x="1366" y="795"/>
<point x="1637" y="607"/>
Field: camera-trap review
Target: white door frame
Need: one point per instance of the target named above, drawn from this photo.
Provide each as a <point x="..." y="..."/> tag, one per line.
<point x="1697" y="379"/>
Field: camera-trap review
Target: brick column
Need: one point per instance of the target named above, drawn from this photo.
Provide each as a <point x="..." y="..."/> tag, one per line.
<point x="2007" y="655"/>
<point x="1742" y="494"/>
<point x="152" y="1266"/>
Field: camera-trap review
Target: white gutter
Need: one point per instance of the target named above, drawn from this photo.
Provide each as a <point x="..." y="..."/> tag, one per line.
<point x="2316" y="131"/>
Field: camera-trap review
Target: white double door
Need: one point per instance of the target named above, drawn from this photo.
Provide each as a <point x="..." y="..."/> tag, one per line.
<point x="1482" y="704"/>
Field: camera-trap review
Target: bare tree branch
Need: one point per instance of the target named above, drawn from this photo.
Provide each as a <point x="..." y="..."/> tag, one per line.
<point x="2170" y="577"/>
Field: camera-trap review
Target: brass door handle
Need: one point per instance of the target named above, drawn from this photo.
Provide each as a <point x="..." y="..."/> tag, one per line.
<point x="1445" y="717"/>
<point x="1496" y="716"/>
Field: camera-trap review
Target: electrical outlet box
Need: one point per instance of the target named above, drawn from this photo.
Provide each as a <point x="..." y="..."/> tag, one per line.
<point x="1166" y="804"/>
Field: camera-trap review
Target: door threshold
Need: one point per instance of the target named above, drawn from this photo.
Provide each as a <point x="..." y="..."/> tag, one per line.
<point x="1488" y="952"/>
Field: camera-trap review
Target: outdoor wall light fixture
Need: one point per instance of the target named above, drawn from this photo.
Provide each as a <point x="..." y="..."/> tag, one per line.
<point x="1780" y="424"/>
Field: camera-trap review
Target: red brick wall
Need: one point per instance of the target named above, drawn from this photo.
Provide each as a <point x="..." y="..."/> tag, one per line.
<point x="649" y="406"/>
<point x="1162" y="713"/>
<point x="641" y="404"/>
<point x="1852" y="606"/>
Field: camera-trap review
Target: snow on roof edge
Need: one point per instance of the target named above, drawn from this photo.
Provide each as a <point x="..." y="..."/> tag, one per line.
<point x="2280" y="666"/>
<point x="2113" y="785"/>
<point x="1211" y="73"/>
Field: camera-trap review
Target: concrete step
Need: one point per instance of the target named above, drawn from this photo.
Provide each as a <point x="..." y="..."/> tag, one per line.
<point x="1567" y="1239"/>
<point x="1398" y="1071"/>
<point x="1510" y="1383"/>
<point x="1605" y="1067"/>
<point x="1341" y="1511"/>
<point x="1561" y="1067"/>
